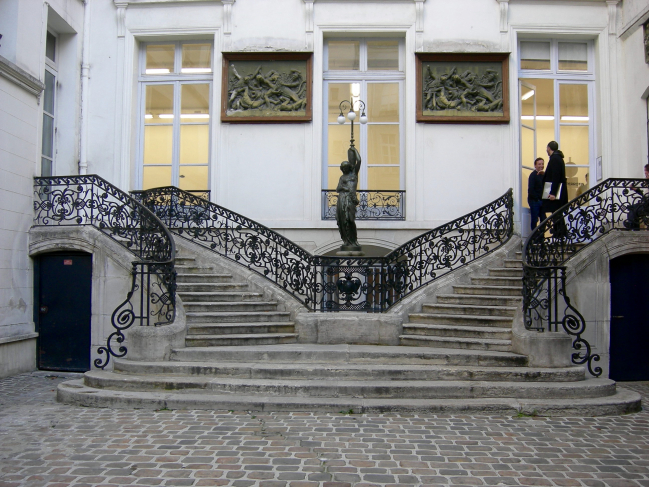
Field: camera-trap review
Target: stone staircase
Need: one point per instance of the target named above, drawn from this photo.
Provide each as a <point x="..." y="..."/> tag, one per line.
<point x="478" y="316"/>
<point x="234" y="359"/>
<point x="222" y="312"/>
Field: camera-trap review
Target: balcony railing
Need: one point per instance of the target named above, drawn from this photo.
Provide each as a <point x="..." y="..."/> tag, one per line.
<point x="373" y="205"/>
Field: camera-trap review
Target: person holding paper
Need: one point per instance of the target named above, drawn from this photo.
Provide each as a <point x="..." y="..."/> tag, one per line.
<point x="557" y="188"/>
<point x="535" y="191"/>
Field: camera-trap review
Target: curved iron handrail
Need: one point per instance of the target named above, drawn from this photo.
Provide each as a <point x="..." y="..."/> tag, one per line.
<point x="614" y="204"/>
<point x="335" y="283"/>
<point x="91" y="200"/>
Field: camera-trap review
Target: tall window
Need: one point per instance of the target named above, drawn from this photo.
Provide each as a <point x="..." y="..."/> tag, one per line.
<point x="370" y="70"/>
<point x="175" y="81"/>
<point x="556" y="95"/>
<point x="49" y="106"/>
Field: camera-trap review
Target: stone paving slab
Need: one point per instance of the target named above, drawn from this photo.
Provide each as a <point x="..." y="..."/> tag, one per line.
<point x="43" y="443"/>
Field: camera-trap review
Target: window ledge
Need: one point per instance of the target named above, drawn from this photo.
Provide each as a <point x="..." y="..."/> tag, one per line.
<point x="20" y="77"/>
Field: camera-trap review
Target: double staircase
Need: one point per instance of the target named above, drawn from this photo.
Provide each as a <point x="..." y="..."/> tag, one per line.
<point x="455" y="356"/>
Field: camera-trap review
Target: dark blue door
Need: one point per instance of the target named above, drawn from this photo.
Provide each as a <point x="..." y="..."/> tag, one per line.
<point x="629" y="317"/>
<point x="63" y="309"/>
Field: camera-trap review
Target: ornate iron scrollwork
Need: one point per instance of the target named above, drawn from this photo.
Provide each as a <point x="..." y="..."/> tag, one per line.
<point x="314" y="280"/>
<point x="373" y="205"/>
<point x="614" y="204"/>
<point x="91" y="200"/>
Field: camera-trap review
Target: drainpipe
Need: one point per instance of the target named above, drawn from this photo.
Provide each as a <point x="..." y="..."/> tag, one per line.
<point x="85" y="78"/>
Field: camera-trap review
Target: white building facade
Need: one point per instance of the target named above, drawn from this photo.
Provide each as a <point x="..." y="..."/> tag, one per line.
<point x="133" y="91"/>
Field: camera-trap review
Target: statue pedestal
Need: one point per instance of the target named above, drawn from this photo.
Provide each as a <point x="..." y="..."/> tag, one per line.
<point x="350" y="253"/>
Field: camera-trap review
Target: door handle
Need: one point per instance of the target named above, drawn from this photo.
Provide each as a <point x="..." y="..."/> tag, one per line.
<point x="43" y="310"/>
<point x="617" y="317"/>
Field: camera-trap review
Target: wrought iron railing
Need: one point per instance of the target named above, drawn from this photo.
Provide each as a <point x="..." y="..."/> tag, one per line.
<point x="335" y="283"/>
<point x="91" y="200"/>
<point x="373" y="205"/>
<point x="201" y="193"/>
<point x="614" y="204"/>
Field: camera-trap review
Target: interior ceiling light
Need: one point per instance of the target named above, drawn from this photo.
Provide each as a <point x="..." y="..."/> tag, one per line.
<point x="527" y="95"/>
<point x="157" y="71"/>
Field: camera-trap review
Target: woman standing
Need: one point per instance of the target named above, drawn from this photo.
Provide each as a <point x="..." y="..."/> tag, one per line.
<point x="555" y="173"/>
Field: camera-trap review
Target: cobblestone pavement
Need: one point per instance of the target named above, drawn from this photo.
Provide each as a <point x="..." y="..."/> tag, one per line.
<point x="46" y="443"/>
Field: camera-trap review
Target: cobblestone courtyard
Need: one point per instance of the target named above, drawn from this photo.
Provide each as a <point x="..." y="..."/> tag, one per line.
<point x="46" y="443"/>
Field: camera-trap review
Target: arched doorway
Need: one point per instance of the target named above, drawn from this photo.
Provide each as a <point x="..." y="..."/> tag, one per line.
<point x="62" y="283"/>
<point x="629" y="329"/>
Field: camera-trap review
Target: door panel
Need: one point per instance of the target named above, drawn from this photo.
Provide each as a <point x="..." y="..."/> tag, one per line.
<point x="629" y="318"/>
<point x="63" y="305"/>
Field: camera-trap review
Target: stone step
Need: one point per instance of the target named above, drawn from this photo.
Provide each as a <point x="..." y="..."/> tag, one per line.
<point x="191" y="268"/>
<point x="184" y="260"/>
<point x="227" y="296"/>
<point x="350" y="371"/>
<point x="454" y="342"/>
<point x="478" y="300"/>
<point x="415" y="389"/>
<point x="219" y="306"/>
<point x="246" y="339"/>
<point x="461" y="320"/>
<point x="234" y="317"/>
<point x="488" y="290"/>
<point x="623" y="401"/>
<point x="466" y="309"/>
<point x="184" y="287"/>
<point x="506" y="272"/>
<point x="199" y="278"/>
<point x="457" y="331"/>
<point x="239" y="328"/>
<point x="308" y="354"/>
<point x="513" y="263"/>
<point x="498" y="281"/>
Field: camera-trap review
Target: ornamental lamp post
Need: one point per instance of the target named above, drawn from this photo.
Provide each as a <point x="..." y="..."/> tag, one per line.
<point x="351" y="115"/>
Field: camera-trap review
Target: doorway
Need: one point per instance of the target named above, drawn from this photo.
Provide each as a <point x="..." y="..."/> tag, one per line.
<point x="629" y="333"/>
<point x="63" y="283"/>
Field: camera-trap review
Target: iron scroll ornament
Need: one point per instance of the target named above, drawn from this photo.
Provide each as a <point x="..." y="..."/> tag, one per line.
<point x="321" y="283"/>
<point x="614" y="204"/>
<point x="373" y="205"/>
<point x="93" y="201"/>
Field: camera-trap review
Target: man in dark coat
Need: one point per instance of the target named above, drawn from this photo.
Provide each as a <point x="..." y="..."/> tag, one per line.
<point x="535" y="192"/>
<point x="555" y="173"/>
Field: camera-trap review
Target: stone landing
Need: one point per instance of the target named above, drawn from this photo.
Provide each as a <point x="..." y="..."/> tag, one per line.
<point x="362" y="379"/>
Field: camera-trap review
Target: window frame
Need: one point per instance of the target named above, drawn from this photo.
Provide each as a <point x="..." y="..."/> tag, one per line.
<point x="51" y="66"/>
<point x="178" y="80"/>
<point x="561" y="77"/>
<point x="364" y="77"/>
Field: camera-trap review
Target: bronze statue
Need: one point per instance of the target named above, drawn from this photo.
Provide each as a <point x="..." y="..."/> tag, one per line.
<point x="348" y="200"/>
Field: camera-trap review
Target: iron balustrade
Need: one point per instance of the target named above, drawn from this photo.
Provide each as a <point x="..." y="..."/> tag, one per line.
<point x="91" y="200"/>
<point x="614" y="204"/>
<point x="201" y="193"/>
<point x="324" y="283"/>
<point x="373" y="205"/>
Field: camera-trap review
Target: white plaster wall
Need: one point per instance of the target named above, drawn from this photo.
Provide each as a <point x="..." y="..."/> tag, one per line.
<point x="635" y="85"/>
<point x="23" y="25"/>
<point x="19" y="145"/>
<point x="272" y="172"/>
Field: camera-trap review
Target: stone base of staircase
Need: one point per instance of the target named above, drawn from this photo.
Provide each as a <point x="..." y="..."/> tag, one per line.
<point x="344" y="378"/>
